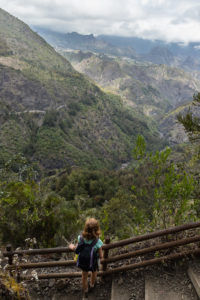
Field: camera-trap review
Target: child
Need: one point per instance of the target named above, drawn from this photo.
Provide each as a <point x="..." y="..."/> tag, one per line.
<point x="89" y="239"/>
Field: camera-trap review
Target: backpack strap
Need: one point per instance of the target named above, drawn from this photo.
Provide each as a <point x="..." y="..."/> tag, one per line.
<point x="93" y="244"/>
<point x="80" y="244"/>
<point x="81" y="241"/>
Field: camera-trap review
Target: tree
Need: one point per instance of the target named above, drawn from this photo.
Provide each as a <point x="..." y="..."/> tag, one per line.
<point x="168" y="190"/>
<point x="190" y="122"/>
<point x="139" y="150"/>
<point x="120" y="218"/>
<point x="173" y="204"/>
<point x="19" y="211"/>
<point x="25" y="214"/>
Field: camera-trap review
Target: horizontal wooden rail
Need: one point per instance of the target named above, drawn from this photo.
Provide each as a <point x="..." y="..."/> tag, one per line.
<point x="47" y="264"/>
<point x="111" y="245"/>
<point x="10" y="254"/>
<point x="152" y="261"/>
<point x="152" y="249"/>
<point x="111" y="259"/>
<point x="53" y="275"/>
<point x="39" y="251"/>
<point x="152" y="235"/>
<point x="119" y="269"/>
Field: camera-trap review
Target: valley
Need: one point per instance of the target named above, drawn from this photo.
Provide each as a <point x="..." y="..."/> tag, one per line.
<point x="151" y="91"/>
<point x="78" y="114"/>
<point x="86" y="131"/>
<point x="155" y="79"/>
<point x="96" y="125"/>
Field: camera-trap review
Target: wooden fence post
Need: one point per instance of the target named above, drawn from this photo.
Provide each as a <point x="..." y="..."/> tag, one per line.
<point x="18" y="269"/>
<point x="18" y="276"/>
<point x="105" y="253"/>
<point x="10" y="256"/>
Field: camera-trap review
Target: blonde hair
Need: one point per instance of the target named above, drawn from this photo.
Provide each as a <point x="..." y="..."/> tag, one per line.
<point x="91" y="229"/>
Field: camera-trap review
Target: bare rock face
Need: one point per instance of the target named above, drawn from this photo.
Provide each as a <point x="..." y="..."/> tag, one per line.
<point x="152" y="89"/>
<point x="160" y="55"/>
<point x="173" y="131"/>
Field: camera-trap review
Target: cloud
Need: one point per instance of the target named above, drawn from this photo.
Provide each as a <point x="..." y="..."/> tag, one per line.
<point x="168" y="20"/>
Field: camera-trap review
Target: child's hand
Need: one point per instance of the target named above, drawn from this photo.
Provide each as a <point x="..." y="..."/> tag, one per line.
<point x="72" y="247"/>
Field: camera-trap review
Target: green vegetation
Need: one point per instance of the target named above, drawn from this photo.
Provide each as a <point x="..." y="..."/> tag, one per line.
<point x="63" y="142"/>
<point x="152" y="90"/>
<point x="191" y="122"/>
<point x="152" y="194"/>
<point x="4" y="49"/>
<point x="26" y="211"/>
<point x="15" y="290"/>
<point x="56" y="116"/>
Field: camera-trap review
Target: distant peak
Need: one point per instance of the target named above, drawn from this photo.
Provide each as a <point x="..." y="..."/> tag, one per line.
<point x="76" y="34"/>
<point x="160" y="50"/>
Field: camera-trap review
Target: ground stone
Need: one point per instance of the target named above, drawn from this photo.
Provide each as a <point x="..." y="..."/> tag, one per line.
<point x="160" y="286"/>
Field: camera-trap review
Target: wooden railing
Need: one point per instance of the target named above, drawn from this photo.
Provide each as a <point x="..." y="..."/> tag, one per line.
<point x="111" y="259"/>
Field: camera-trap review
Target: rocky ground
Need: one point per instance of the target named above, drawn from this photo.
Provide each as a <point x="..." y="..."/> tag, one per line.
<point x="171" y="281"/>
<point x="171" y="276"/>
<point x="68" y="289"/>
<point x="133" y="283"/>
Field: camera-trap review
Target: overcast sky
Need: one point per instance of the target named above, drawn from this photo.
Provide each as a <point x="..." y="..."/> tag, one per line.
<point x="169" y="20"/>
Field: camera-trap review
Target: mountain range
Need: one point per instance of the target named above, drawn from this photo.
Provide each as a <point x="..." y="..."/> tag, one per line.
<point x="150" y="90"/>
<point x="54" y="115"/>
<point x="77" y="41"/>
<point x="154" y="79"/>
<point x="159" y="52"/>
<point x="82" y="100"/>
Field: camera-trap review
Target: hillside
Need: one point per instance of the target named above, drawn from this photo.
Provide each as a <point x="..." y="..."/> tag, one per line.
<point x="150" y="89"/>
<point x="53" y="114"/>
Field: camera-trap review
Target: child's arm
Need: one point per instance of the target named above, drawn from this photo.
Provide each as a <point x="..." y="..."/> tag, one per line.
<point x="100" y="253"/>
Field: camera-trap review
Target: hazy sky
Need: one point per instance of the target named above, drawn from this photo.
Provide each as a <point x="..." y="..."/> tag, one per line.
<point x="170" y="20"/>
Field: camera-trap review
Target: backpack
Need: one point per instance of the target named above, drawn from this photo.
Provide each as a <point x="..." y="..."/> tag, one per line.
<point x="87" y="257"/>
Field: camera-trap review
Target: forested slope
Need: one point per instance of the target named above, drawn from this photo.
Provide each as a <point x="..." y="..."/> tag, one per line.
<point x="53" y="114"/>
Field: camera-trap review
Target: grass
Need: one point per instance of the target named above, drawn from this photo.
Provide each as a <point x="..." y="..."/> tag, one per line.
<point x="17" y="290"/>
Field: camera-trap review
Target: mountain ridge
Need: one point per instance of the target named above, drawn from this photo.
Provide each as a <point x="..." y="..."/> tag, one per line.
<point x="149" y="89"/>
<point x="108" y="71"/>
<point x="54" y="115"/>
<point x="158" y="51"/>
<point x="78" y="41"/>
